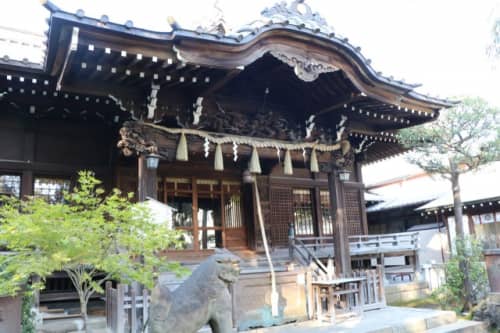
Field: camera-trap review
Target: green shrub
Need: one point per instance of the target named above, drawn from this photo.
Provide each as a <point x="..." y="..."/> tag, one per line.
<point x="27" y="315"/>
<point x="451" y="294"/>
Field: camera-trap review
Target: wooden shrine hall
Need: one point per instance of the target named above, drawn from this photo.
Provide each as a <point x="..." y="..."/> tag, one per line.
<point x="191" y="118"/>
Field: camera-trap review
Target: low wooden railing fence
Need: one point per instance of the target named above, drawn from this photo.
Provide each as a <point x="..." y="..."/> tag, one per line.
<point x="365" y="244"/>
<point x="126" y="311"/>
<point x="323" y="247"/>
<point x="372" y="288"/>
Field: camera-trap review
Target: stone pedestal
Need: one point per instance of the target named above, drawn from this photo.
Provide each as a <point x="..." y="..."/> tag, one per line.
<point x="489" y="310"/>
<point x="492" y="259"/>
<point x="10" y="314"/>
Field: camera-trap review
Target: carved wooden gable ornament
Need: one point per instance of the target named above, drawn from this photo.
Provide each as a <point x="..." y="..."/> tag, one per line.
<point x="300" y="14"/>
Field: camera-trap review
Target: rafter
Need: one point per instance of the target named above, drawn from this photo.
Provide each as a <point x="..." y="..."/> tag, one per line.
<point x="72" y="47"/>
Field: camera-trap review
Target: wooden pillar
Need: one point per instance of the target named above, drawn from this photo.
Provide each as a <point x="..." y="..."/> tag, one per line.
<point x="362" y="203"/>
<point x="147" y="181"/>
<point x="341" y="244"/>
<point x="28" y="157"/>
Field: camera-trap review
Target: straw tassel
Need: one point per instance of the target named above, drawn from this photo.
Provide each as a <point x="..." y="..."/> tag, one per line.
<point x="182" y="150"/>
<point x="219" y="160"/>
<point x="288" y="169"/>
<point x="314" y="161"/>
<point x="254" y="165"/>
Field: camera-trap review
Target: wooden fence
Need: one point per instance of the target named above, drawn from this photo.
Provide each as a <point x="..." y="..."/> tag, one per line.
<point x="126" y="311"/>
<point x="322" y="247"/>
<point x="372" y="288"/>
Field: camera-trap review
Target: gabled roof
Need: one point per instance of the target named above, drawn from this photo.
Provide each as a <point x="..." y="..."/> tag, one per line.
<point x="94" y="59"/>
<point x="283" y="30"/>
<point x="425" y="193"/>
<point x="480" y="186"/>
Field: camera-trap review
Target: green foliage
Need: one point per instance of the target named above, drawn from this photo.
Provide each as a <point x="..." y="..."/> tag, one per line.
<point x="28" y="318"/>
<point x="91" y="236"/>
<point x="451" y="295"/>
<point x="461" y="139"/>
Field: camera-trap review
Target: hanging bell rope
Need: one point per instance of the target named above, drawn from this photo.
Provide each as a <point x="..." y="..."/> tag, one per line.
<point x="219" y="138"/>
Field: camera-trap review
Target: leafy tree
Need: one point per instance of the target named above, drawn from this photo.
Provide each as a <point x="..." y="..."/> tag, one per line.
<point x="450" y="294"/>
<point x="91" y="236"/>
<point x="461" y="140"/>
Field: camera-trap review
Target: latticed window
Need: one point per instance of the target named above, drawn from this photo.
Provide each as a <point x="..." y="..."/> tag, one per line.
<point x="10" y="185"/>
<point x="51" y="189"/>
<point x="303" y="212"/>
<point x="326" y="216"/>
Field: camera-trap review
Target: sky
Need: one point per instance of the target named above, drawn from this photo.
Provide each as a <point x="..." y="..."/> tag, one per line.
<point x="438" y="43"/>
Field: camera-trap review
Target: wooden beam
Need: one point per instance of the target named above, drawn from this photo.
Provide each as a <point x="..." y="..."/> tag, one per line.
<point x="49" y="168"/>
<point x="340" y="104"/>
<point x="221" y="83"/>
<point x="72" y="47"/>
<point x="147" y="181"/>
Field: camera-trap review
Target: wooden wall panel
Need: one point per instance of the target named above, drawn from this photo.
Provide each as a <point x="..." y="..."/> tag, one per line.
<point x="85" y="150"/>
<point x="281" y="213"/>
<point x="11" y="143"/>
<point x="352" y="212"/>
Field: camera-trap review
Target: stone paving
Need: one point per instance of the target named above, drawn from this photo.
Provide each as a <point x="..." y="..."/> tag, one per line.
<point x="387" y="320"/>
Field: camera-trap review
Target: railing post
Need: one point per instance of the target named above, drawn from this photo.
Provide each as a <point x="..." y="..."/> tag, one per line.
<point x="120" y="313"/>
<point x="108" y="286"/>
<point x="291" y="239"/>
<point x="380" y="273"/>
<point x="145" y="310"/>
<point x="133" y="310"/>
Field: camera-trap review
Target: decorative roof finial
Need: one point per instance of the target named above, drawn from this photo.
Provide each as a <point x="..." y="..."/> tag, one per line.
<point x="297" y="13"/>
<point x="217" y="24"/>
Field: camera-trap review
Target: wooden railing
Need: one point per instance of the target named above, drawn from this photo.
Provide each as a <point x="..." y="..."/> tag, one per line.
<point x="126" y="311"/>
<point x="373" y="244"/>
<point x="372" y="288"/>
<point x="306" y="255"/>
<point x="322" y="247"/>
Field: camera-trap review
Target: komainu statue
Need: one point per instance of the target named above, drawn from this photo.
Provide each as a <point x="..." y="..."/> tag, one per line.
<point x="203" y="298"/>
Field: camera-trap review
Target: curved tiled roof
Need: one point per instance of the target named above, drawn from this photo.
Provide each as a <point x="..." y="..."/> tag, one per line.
<point x="295" y="19"/>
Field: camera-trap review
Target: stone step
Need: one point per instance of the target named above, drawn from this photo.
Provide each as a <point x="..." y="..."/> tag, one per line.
<point x="461" y="326"/>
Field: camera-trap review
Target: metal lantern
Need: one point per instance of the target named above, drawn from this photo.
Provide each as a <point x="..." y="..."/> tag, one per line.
<point x="248" y="178"/>
<point x="152" y="161"/>
<point x="344" y="175"/>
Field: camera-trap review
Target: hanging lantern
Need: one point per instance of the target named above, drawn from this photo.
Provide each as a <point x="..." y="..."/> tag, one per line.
<point x="288" y="169"/>
<point x="219" y="160"/>
<point x="314" y="161"/>
<point x="254" y="165"/>
<point x="182" y="150"/>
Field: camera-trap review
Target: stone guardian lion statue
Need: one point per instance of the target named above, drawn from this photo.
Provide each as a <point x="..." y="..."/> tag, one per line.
<point x="203" y="298"/>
